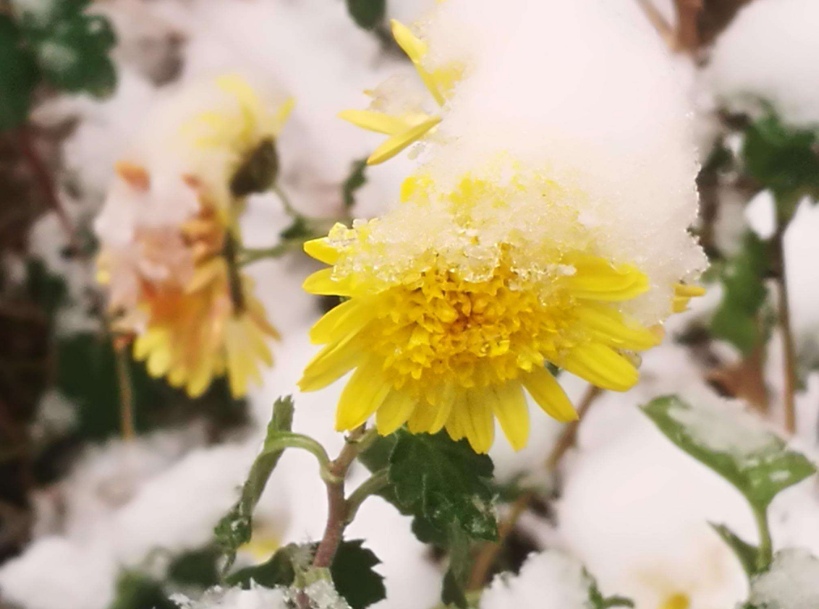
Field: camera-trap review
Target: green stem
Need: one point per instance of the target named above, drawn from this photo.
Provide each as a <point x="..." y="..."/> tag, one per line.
<point x="765" y="555"/>
<point x="288" y="206"/>
<point x="370" y="486"/>
<point x="286" y="439"/>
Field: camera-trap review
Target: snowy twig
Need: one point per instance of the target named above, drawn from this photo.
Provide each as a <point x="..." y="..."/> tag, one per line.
<point x="687" y="37"/>
<point x="338" y="506"/>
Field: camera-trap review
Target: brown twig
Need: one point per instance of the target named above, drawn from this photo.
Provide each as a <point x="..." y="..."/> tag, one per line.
<point x="569" y="435"/>
<point x="687" y="37"/>
<point x="43" y="176"/>
<point x="659" y="22"/>
<point x="482" y="565"/>
<point x="337" y="506"/>
<point x="788" y="345"/>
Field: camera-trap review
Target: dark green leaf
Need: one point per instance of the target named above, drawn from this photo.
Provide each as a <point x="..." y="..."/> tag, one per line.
<point x="277" y="571"/>
<point x="377" y="455"/>
<point x="737" y="317"/>
<point x="445" y="482"/>
<point x="782" y="159"/>
<point x="138" y="591"/>
<point x="747" y="553"/>
<point x="734" y="445"/>
<point x="354" y="577"/>
<point x="18" y="76"/>
<point x="235" y="528"/>
<point x="456" y="577"/>
<point x="354" y="181"/>
<point x="71" y="48"/>
<point x="366" y="13"/>
<point x="196" y="568"/>
<point x="598" y="601"/>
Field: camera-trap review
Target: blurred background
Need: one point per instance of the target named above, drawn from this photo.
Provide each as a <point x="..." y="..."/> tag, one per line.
<point x="111" y="481"/>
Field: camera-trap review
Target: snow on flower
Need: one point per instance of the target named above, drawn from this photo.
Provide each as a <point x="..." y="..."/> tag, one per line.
<point x="523" y="238"/>
<point x="169" y="236"/>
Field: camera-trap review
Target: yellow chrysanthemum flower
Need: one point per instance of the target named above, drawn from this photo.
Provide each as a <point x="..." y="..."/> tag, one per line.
<point x="406" y="125"/>
<point x="170" y="241"/>
<point x="435" y="349"/>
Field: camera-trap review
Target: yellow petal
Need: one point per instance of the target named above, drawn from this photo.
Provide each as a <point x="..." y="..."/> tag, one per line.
<point x="283" y="113"/>
<point x="598" y="279"/>
<point x="205" y="274"/>
<point x="375" y="121"/>
<point x="394" y="412"/>
<point x="549" y="395"/>
<point x="347" y="318"/>
<point x="612" y="327"/>
<point x="400" y="141"/>
<point x="431" y="418"/>
<point x="416" y="49"/>
<point x="510" y="408"/>
<point x="322" y="283"/>
<point x="321" y="250"/>
<point x="480" y="424"/>
<point x="145" y="343"/>
<point x="690" y="291"/>
<point x="363" y="394"/>
<point x="331" y="363"/>
<point x="455" y="426"/>
<point x="601" y="366"/>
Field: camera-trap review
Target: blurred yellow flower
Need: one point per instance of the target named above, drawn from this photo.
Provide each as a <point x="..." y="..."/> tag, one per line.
<point x="407" y="124"/>
<point x="170" y="242"/>
<point x="435" y="349"/>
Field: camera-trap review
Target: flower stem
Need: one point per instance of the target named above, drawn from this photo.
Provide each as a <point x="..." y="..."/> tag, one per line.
<point x="338" y="507"/>
<point x="370" y="486"/>
<point x="788" y="346"/>
<point x="569" y="435"/>
<point x="765" y="555"/>
<point x="126" y="394"/>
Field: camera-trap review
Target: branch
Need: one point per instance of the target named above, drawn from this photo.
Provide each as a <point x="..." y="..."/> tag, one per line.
<point x="788" y="345"/>
<point x="659" y="22"/>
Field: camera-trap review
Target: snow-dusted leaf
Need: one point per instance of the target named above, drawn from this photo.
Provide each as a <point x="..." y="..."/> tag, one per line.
<point x="235" y="527"/>
<point x="445" y="482"/>
<point x="734" y="444"/>
<point x="792" y="582"/>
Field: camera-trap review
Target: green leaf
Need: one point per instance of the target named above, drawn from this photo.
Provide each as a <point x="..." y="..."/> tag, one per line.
<point x="136" y="590"/>
<point x="782" y="159"/>
<point x="366" y="13"/>
<point x="196" y="568"/>
<point x="354" y="577"/>
<point x="598" y="601"/>
<point x="18" y="76"/>
<point x="445" y="482"/>
<point x="733" y="444"/>
<point x="748" y="554"/>
<point x="354" y="181"/>
<point x="737" y="317"/>
<point x="456" y="577"/>
<point x="71" y="48"/>
<point x="235" y="528"/>
<point x="277" y="571"/>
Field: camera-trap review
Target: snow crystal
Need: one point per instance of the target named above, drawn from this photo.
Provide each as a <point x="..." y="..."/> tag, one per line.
<point x="256" y="597"/>
<point x="791" y="583"/>
<point x="769" y="53"/>
<point x="549" y="580"/>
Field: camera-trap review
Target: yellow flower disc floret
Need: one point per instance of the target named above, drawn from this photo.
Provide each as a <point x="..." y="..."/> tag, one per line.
<point x="435" y="348"/>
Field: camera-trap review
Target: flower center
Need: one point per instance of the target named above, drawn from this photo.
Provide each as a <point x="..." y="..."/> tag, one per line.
<point x="440" y="329"/>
